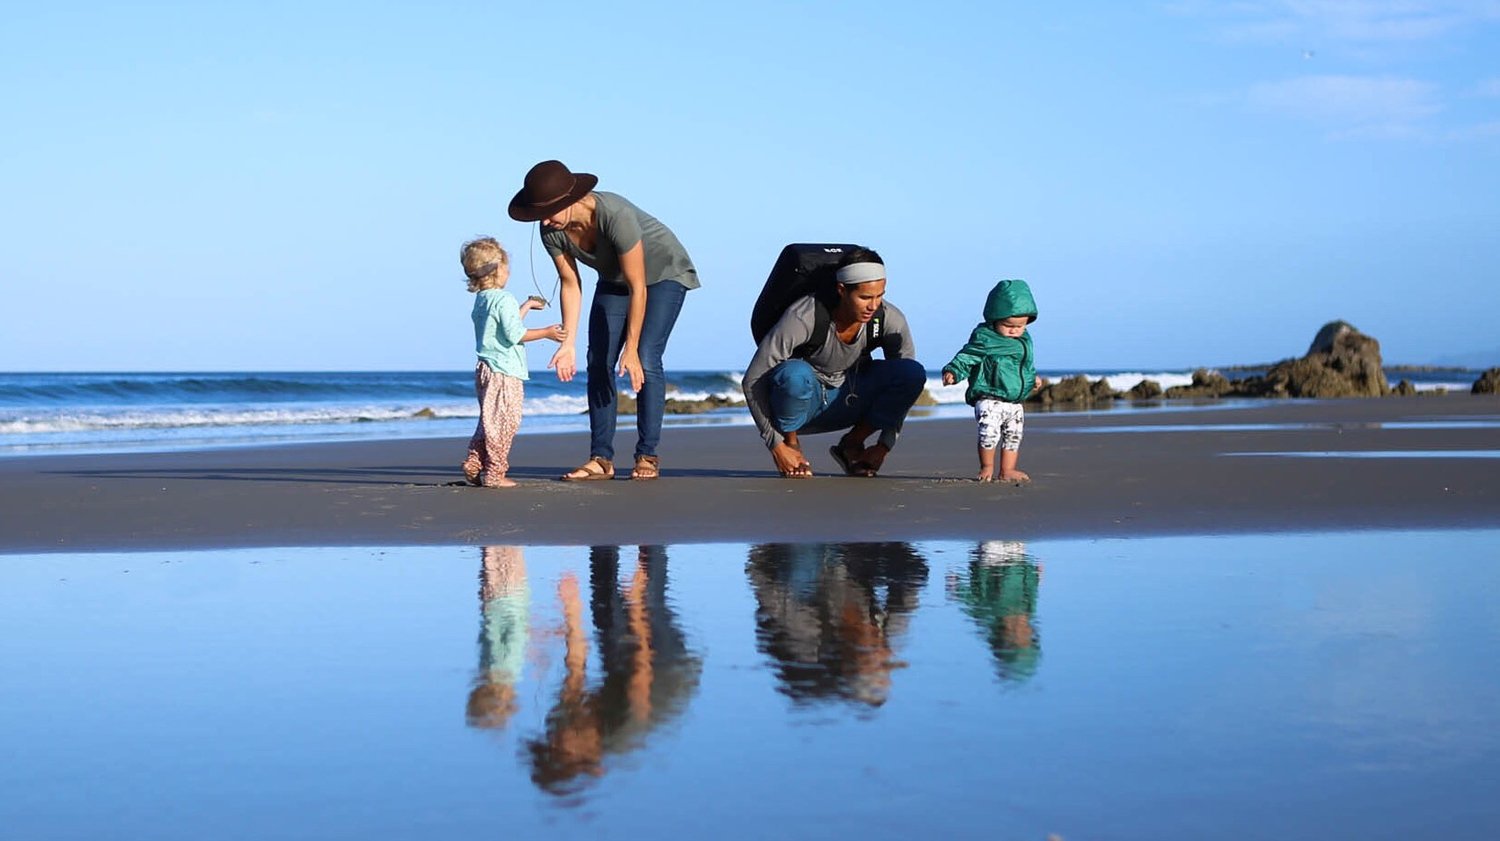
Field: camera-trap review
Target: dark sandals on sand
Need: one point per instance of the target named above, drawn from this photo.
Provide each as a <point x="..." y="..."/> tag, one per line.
<point x="596" y="468"/>
<point x="646" y="467"/>
<point x="852" y="468"/>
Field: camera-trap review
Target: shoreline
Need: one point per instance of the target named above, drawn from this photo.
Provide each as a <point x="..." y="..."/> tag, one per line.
<point x="718" y="485"/>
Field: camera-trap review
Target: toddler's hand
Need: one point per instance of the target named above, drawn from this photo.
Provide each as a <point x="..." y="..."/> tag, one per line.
<point x="556" y="333"/>
<point x="948" y="378"/>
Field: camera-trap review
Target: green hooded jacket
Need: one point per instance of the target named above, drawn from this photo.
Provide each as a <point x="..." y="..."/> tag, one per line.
<point x="998" y="367"/>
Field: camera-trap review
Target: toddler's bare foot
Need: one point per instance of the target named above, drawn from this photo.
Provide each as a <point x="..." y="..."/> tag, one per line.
<point x="984" y="475"/>
<point x="500" y="482"/>
<point x="1015" y="477"/>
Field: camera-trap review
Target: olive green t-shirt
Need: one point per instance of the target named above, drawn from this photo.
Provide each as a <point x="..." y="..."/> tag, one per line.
<point x="621" y="226"/>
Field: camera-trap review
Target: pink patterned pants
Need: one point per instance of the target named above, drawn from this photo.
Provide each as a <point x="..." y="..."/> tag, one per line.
<point x="499" y="418"/>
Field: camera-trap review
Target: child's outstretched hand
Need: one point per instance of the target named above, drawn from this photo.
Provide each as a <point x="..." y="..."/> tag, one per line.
<point x="948" y="378"/>
<point x="555" y="332"/>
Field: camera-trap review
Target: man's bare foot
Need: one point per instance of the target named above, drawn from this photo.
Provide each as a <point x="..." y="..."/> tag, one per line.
<point x="1014" y="477"/>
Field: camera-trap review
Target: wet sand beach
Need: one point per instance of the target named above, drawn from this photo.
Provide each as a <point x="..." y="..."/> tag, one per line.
<point x="1424" y="462"/>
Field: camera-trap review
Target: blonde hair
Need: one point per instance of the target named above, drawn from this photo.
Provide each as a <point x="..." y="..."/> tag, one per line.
<point x="482" y="260"/>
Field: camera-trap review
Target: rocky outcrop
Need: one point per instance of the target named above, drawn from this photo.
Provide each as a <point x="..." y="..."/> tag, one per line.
<point x="1076" y="390"/>
<point x="1488" y="382"/>
<point x="1341" y="362"/>
<point x="1205" y="383"/>
<point x="1145" y="390"/>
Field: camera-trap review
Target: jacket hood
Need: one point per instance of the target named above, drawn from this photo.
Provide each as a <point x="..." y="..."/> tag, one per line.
<point x="1009" y="298"/>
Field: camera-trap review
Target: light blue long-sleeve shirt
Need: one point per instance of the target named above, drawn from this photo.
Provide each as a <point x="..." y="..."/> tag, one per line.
<point x="498" y="332"/>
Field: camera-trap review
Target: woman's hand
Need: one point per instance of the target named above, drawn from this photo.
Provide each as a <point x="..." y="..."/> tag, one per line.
<point x="630" y="364"/>
<point x="790" y="462"/>
<point x="564" y="361"/>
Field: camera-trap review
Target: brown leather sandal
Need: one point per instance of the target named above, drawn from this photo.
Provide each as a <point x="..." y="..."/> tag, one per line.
<point x="646" y="467"/>
<point x="596" y="468"/>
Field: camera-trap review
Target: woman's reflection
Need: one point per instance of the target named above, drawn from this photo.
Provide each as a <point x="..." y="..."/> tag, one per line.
<point x="831" y="615"/>
<point x="504" y="607"/>
<point x="649" y="673"/>
<point x="998" y="591"/>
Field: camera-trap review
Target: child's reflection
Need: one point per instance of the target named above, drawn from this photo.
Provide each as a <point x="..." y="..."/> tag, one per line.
<point x="649" y="674"/>
<point x="505" y="606"/>
<point x="999" y="593"/>
<point x="831" y="615"/>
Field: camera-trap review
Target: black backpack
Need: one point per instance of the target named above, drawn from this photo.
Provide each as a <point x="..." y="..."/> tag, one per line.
<point x="807" y="269"/>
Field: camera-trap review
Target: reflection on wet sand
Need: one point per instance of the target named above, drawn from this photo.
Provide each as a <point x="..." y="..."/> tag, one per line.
<point x="830" y="615"/>
<point x="998" y="591"/>
<point x="645" y="676"/>
<point x="505" y="607"/>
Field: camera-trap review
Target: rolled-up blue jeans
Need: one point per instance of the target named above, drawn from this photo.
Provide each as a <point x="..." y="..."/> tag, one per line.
<point x="607" y="318"/>
<point x="879" y="392"/>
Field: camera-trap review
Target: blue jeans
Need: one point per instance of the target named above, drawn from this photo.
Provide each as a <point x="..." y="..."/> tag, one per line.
<point x="879" y="392"/>
<point x="607" y="319"/>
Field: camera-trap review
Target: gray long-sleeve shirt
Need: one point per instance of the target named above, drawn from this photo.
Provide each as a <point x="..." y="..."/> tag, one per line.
<point x="831" y="362"/>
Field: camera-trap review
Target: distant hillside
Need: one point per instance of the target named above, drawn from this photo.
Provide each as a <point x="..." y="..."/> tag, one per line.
<point x="1473" y="359"/>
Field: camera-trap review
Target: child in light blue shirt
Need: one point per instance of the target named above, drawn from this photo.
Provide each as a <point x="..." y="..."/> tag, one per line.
<point x="499" y="339"/>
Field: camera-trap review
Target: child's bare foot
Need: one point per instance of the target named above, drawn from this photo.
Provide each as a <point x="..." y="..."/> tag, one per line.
<point x="1014" y="477"/>
<point x="984" y="475"/>
<point x="500" y="482"/>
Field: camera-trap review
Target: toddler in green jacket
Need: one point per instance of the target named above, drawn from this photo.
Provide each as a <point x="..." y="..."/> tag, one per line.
<point x="998" y="363"/>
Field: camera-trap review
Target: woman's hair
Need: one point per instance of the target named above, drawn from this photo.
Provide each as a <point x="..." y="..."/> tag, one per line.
<point x="482" y="260"/>
<point x="860" y="255"/>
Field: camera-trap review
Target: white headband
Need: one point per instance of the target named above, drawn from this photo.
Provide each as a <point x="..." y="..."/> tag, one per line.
<point x="859" y="273"/>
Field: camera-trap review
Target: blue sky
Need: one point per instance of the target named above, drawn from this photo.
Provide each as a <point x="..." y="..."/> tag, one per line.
<point x="285" y="186"/>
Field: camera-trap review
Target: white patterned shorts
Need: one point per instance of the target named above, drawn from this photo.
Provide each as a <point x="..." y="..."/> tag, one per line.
<point x="1000" y="423"/>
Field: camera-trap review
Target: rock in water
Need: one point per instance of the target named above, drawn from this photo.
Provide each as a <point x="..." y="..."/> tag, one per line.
<point x="1323" y="342"/>
<point x="1343" y="362"/>
<point x="1488" y="382"/>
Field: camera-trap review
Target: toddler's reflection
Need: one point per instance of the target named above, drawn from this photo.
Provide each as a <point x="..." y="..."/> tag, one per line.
<point x="505" y="606"/>
<point x="831" y="615"/>
<point x="998" y="591"/>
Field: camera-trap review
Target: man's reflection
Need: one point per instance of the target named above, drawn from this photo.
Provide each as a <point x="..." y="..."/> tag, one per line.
<point x="998" y="591"/>
<point x="831" y="615"/>
<point x="649" y="674"/>
<point x="504" y="607"/>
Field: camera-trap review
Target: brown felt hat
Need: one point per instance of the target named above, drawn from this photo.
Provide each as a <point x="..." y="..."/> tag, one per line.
<point x="549" y="187"/>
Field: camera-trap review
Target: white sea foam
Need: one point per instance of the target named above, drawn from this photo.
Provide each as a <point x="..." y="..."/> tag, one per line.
<point x="1130" y="379"/>
<point x="1119" y="382"/>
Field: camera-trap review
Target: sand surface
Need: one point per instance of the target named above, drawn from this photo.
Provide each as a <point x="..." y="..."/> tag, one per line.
<point x="719" y="485"/>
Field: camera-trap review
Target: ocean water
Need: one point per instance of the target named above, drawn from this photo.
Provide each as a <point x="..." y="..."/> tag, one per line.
<point x="1293" y="686"/>
<point x="52" y="413"/>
